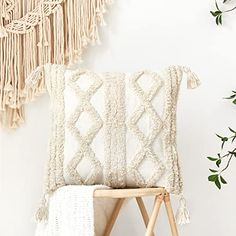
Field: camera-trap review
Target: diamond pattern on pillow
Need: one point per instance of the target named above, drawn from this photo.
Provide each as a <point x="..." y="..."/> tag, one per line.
<point x="129" y="138"/>
<point x="145" y="107"/>
<point x="84" y="150"/>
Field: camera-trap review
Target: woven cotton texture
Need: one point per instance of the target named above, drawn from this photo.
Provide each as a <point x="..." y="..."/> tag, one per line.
<point x="114" y="141"/>
<point x="115" y="129"/>
<point x="71" y="212"/>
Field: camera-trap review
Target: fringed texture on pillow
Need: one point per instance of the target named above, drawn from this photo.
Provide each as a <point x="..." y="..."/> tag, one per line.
<point x="33" y="33"/>
<point x="55" y="80"/>
<point x="176" y="74"/>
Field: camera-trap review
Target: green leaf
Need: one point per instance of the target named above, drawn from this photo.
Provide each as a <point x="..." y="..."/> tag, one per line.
<point x="218" y="184"/>
<point x="233" y="131"/>
<point x="231" y="97"/>
<point x="219" y="136"/>
<point x="223" y="181"/>
<point x="233" y="138"/>
<point x="213" y="171"/>
<point x="212" y="158"/>
<point x="217" y="20"/>
<point x="212" y="178"/>
<point x="218" y="163"/>
<point x="233" y="153"/>
<point x="224" y="139"/>
<point x="234" y="101"/>
<point x="220" y="19"/>
<point x="215" y="13"/>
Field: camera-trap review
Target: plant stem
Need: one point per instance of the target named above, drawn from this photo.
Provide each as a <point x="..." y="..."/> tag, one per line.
<point x="227" y="163"/>
<point x="232" y="9"/>
<point x="231" y="155"/>
<point x="224" y="156"/>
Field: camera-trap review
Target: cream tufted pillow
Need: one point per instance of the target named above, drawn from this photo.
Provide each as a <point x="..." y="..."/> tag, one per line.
<point x="116" y="129"/>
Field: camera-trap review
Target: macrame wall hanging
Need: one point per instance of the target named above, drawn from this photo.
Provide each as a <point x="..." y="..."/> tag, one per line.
<point x="35" y="32"/>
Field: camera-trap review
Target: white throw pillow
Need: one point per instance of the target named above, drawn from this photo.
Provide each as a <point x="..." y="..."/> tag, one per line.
<point x="116" y="129"/>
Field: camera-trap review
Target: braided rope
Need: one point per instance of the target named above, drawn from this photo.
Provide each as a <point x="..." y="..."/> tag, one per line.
<point x="8" y="6"/>
<point x="33" y="18"/>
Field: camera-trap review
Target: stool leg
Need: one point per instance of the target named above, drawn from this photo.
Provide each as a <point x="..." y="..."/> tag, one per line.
<point x="113" y="218"/>
<point x="170" y="214"/>
<point x="143" y="211"/>
<point x="155" y="211"/>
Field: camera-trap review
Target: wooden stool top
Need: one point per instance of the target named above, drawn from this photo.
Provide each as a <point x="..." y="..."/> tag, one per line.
<point x="129" y="192"/>
<point x="137" y="193"/>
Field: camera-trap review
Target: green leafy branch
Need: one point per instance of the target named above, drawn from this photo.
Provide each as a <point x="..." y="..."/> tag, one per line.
<point x="218" y="13"/>
<point x="219" y="160"/>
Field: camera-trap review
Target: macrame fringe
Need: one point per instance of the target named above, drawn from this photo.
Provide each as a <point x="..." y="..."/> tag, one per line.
<point x="3" y="32"/>
<point x="35" y="84"/>
<point x="192" y="79"/>
<point x="182" y="214"/>
<point x="58" y="35"/>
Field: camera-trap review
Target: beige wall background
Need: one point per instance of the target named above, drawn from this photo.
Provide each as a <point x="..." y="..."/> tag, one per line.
<point x="144" y="34"/>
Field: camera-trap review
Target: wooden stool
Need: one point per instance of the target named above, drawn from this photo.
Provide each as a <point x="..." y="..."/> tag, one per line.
<point x="121" y="194"/>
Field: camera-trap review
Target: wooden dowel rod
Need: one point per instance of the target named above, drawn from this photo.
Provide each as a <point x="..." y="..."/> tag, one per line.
<point x="170" y="214"/>
<point x="143" y="211"/>
<point x="152" y="221"/>
<point x="113" y="218"/>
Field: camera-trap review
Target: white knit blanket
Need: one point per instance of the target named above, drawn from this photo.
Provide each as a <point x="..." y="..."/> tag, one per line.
<point x="72" y="211"/>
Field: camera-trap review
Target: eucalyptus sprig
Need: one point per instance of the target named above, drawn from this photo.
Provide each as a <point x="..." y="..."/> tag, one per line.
<point x="223" y="160"/>
<point x="218" y="13"/>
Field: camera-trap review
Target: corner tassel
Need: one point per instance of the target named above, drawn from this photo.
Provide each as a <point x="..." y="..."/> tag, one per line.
<point x="42" y="212"/>
<point x="182" y="214"/>
<point x="192" y="79"/>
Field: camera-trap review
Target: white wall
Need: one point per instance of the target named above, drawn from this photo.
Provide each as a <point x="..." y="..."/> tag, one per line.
<point x="144" y="34"/>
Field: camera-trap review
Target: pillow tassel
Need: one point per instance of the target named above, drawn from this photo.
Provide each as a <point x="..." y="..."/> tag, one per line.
<point x="192" y="79"/>
<point x="182" y="214"/>
<point x="42" y="212"/>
